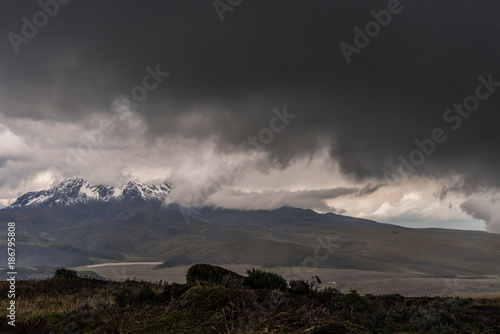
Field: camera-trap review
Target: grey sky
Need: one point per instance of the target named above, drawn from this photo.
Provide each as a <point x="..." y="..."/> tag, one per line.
<point x="225" y="78"/>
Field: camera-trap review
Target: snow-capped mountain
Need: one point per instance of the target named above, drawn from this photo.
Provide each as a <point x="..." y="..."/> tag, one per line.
<point x="78" y="191"/>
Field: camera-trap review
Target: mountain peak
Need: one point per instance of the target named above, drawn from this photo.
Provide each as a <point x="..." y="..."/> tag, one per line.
<point x="73" y="178"/>
<point x="76" y="190"/>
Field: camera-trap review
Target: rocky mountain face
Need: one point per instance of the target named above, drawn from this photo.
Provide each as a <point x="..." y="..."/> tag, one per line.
<point x="78" y="191"/>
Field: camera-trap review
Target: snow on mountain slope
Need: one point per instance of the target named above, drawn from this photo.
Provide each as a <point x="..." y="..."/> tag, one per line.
<point x="76" y="190"/>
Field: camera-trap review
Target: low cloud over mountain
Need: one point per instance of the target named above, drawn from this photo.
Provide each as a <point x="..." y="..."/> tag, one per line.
<point x="203" y="93"/>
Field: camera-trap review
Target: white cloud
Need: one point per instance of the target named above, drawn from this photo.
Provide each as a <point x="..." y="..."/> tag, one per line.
<point x="205" y="176"/>
<point x="485" y="207"/>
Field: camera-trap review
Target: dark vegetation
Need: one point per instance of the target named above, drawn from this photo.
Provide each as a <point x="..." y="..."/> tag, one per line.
<point x="216" y="300"/>
<point x="209" y="274"/>
<point x="63" y="273"/>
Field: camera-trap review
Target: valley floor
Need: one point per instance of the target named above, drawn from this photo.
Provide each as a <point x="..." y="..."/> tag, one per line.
<point x="364" y="282"/>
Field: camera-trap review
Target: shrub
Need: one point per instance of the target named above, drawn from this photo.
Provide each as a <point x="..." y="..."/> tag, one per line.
<point x="209" y="274"/>
<point x="299" y="287"/>
<point x="174" y="291"/>
<point x="122" y="296"/>
<point x="330" y="292"/>
<point x="131" y="295"/>
<point x="379" y="320"/>
<point x="232" y="282"/>
<point x="63" y="273"/>
<point x="146" y="294"/>
<point x="258" y="279"/>
<point x="327" y="296"/>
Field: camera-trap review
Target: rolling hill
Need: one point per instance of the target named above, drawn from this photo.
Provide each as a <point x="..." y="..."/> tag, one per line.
<point x="135" y="228"/>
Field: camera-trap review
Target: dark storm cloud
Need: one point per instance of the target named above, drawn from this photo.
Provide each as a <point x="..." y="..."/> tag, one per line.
<point x="270" y="54"/>
<point x="369" y="189"/>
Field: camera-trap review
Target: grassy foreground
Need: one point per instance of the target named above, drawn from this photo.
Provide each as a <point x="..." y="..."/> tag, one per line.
<point x="216" y="300"/>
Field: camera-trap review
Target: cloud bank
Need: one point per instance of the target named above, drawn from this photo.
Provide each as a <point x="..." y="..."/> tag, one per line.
<point x="89" y="96"/>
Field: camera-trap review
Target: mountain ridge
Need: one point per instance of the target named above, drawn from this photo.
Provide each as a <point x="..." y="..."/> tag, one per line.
<point x="78" y="191"/>
<point x="142" y="227"/>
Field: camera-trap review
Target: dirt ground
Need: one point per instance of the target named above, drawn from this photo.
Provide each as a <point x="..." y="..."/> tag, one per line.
<point x="407" y="284"/>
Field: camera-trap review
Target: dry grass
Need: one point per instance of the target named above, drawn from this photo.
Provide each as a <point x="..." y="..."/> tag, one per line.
<point x="37" y="298"/>
<point x="86" y="305"/>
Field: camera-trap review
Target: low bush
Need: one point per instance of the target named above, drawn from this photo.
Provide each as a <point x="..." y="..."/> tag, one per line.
<point x="63" y="273"/>
<point x="206" y="273"/>
<point x="299" y="287"/>
<point x="258" y="279"/>
<point x="132" y="295"/>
